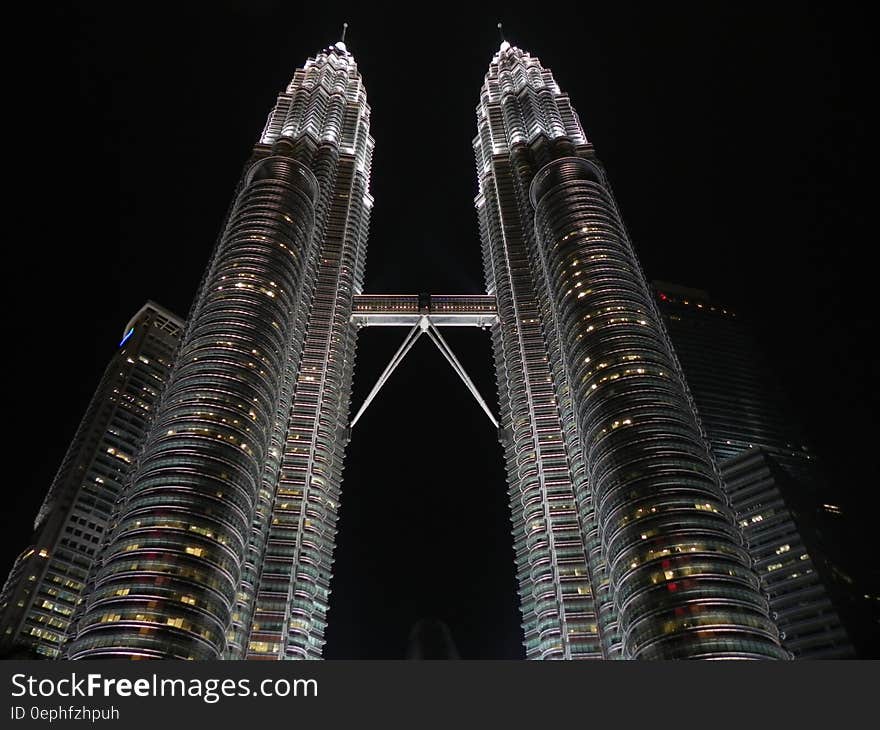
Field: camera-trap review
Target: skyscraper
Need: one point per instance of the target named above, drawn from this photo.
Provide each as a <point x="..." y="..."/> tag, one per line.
<point x="295" y="565"/>
<point x="771" y="479"/>
<point x="222" y="544"/>
<point x="46" y="580"/>
<point x="625" y="544"/>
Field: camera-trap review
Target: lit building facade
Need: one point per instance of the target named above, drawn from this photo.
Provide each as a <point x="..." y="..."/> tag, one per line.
<point x="626" y="547"/>
<point x="223" y="546"/>
<point x="47" y="579"/>
<point x="771" y="479"/>
<point x="222" y="543"/>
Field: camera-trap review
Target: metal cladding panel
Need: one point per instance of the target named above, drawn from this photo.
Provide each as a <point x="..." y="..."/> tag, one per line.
<point x="561" y="617"/>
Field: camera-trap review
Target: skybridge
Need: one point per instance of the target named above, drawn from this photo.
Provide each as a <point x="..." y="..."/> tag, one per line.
<point x="424" y="314"/>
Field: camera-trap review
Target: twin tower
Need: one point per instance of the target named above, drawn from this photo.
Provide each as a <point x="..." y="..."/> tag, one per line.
<point x="222" y="546"/>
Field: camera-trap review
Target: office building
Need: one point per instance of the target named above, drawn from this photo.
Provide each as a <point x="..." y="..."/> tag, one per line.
<point x="47" y="579"/>
<point x="772" y="480"/>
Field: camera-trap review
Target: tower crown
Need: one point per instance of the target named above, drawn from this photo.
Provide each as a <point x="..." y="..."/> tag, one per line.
<point x="520" y="101"/>
<point x="325" y="101"/>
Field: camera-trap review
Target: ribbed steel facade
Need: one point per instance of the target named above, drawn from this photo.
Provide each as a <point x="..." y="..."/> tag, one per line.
<point x="228" y="523"/>
<point x="40" y="596"/>
<point x="325" y="99"/>
<point x="615" y="482"/>
<point x="221" y="544"/>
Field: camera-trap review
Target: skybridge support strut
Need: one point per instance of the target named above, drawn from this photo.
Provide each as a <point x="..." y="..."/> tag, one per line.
<point x="444" y="348"/>
<point x="424" y="325"/>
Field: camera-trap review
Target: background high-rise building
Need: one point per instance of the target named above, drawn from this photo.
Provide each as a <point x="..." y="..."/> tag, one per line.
<point x="772" y="480"/>
<point x="729" y="378"/>
<point x="46" y="581"/>
<point x="777" y="515"/>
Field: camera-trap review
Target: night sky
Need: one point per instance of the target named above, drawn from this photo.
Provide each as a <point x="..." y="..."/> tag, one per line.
<point x="736" y="140"/>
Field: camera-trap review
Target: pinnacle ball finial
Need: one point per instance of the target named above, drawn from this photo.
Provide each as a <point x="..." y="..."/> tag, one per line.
<point x="344" y="28"/>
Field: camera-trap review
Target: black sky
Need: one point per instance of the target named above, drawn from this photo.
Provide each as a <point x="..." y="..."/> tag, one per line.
<point x="736" y="139"/>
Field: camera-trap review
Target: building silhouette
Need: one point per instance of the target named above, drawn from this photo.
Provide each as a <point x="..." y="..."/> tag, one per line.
<point x="771" y="478"/>
<point x="47" y="579"/>
<point x="221" y="545"/>
<point x="431" y="639"/>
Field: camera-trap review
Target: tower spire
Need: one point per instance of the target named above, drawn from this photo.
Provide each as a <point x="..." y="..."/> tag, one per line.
<point x="340" y="44"/>
<point x="504" y="44"/>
